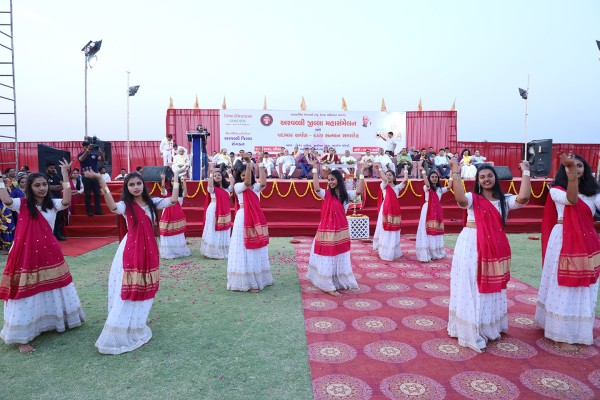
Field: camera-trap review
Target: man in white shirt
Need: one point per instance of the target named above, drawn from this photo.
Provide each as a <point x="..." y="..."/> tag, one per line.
<point x="348" y="159"/>
<point x="181" y="162"/>
<point x="222" y="160"/>
<point x="385" y="161"/>
<point x="287" y="164"/>
<point x="477" y="158"/>
<point x="104" y="174"/>
<point x="388" y="143"/>
<point x="268" y="164"/>
<point x="367" y="160"/>
<point x="166" y="149"/>
<point x="121" y="176"/>
<point x="441" y="164"/>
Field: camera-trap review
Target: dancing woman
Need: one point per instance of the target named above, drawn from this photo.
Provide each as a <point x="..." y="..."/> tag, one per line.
<point x="133" y="280"/>
<point x="248" y="268"/>
<point x="36" y="285"/>
<point x="217" y="214"/>
<point x="571" y="256"/>
<point x="329" y="266"/>
<point x="386" y="240"/>
<point x="430" y="233"/>
<point x="481" y="263"/>
<point x="172" y="221"/>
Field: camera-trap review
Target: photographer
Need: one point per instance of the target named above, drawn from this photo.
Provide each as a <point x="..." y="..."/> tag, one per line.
<point x="88" y="159"/>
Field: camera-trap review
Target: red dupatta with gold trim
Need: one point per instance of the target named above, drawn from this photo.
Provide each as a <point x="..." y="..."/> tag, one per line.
<point x="493" y="248"/>
<point x="333" y="236"/>
<point x="140" y="258"/>
<point x="172" y="221"/>
<point x="579" y="260"/>
<point x="222" y="209"/>
<point x="392" y="220"/>
<point x="256" y="230"/>
<point x="434" y="221"/>
<point x="35" y="262"/>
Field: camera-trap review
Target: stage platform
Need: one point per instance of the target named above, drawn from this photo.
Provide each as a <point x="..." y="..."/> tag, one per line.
<point x="292" y="209"/>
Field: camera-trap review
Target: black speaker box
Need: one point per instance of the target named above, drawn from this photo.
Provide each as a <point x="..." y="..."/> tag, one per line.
<point x="503" y="173"/>
<point x="48" y="153"/>
<point x="540" y="156"/>
<point x="152" y="173"/>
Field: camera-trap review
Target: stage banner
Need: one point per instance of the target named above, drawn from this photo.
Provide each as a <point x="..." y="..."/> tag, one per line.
<point x="344" y="130"/>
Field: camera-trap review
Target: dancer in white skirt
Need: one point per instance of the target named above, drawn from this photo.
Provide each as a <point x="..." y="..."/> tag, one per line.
<point x="430" y="232"/>
<point x="217" y="215"/>
<point x="386" y="240"/>
<point x="36" y="285"/>
<point x="571" y="256"/>
<point x="329" y="266"/>
<point x="134" y="278"/>
<point x="481" y="264"/>
<point x="172" y="222"/>
<point x="248" y="268"/>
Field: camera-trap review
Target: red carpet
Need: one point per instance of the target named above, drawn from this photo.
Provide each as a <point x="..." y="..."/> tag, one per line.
<point x="389" y="340"/>
<point x="75" y="246"/>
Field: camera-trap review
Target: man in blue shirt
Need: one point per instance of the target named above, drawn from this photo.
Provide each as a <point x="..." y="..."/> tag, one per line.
<point x="88" y="159"/>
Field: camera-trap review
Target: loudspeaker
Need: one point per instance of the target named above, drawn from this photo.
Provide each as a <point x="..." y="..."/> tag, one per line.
<point x="503" y="173"/>
<point x="539" y="155"/>
<point x="48" y="153"/>
<point x="107" y="150"/>
<point x="152" y="173"/>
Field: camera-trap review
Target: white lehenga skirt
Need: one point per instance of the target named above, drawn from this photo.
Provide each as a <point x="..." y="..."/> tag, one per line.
<point x="330" y="273"/>
<point x="429" y="247"/>
<point x="125" y="328"/>
<point x="474" y="318"/>
<point x="173" y="246"/>
<point x="53" y="310"/>
<point x="215" y="244"/>
<point x="246" y="268"/>
<point x="566" y="314"/>
<point x="386" y="243"/>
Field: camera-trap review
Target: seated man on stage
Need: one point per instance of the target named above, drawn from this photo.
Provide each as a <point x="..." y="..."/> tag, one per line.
<point x="181" y="162"/>
<point x="348" y="159"/>
<point x="477" y="159"/>
<point x="329" y="158"/>
<point x="368" y="160"/>
<point x="441" y="164"/>
<point x="268" y="164"/>
<point x="386" y="162"/>
<point x="121" y="176"/>
<point x="287" y="164"/>
<point x="404" y="160"/>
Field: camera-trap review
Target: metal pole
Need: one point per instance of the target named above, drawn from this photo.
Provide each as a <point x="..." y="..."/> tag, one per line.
<point x="85" y="135"/>
<point x="128" y="144"/>
<point x="525" y="145"/>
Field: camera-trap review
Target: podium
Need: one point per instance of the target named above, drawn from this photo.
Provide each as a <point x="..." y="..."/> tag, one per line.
<point x="197" y="167"/>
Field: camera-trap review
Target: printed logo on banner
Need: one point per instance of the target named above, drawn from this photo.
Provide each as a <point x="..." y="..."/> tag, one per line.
<point x="266" y="119"/>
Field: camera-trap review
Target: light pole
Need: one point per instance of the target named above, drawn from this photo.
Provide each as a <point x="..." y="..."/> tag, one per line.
<point x="89" y="50"/>
<point x="524" y="94"/>
<point x="131" y="91"/>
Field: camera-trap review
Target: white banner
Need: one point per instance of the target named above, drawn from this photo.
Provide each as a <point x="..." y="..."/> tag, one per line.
<point x="344" y="130"/>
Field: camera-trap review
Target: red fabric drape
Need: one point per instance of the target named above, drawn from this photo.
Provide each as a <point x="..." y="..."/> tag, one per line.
<point x="180" y="121"/>
<point x="430" y="128"/>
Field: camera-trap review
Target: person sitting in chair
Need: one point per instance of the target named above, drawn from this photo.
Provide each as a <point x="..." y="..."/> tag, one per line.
<point x="181" y="162"/>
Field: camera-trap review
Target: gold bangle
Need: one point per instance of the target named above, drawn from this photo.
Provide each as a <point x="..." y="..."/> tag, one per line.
<point x="361" y="176"/>
<point x="314" y="170"/>
<point x="66" y="185"/>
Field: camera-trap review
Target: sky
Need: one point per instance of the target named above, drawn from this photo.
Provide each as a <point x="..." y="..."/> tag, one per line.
<point x="478" y="53"/>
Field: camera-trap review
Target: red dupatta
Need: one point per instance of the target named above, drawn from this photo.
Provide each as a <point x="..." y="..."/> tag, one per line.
<point x="172" y="221"/>
<point x="256" y="231"/>
<point x="392" y="220"/>
<point x="579" y="260"/>
<point x="434" y="221"/>
<point x="493" y="248"/>
<point x="140" y="258"/>
<point x="222" y="209"/>
<point x="333" y="236"/>
<point x="33" y="268"/>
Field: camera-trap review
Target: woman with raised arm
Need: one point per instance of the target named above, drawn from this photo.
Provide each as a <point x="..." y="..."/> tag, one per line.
<point x="571" y="256"/>
<point x="133" y="280"/>
<point x="430" y="233"/>
<point x="329" y="266"/>
<point x="386" y="240"/>
<point x="248" y="268"/>
<point x="36" y="285"/>
<point x="217" y="215"/>
<point x="172" y="221"/>
<point x="481" y="263"/>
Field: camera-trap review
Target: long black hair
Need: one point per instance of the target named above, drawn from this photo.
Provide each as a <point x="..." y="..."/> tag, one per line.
<point x="47" y="203"/>
<point x="224" y="182"/>
<point x="431" y="185"/>
<point x="128" y="198"/>
<point x="238" y="176"/>
<point x="394" y="175"/>
<point x="496" y="190"/>
<point x="169" y="186"/>
<point x="340" y="187"/>
<point x="588" y="186"/>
